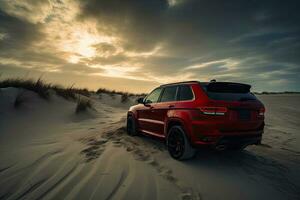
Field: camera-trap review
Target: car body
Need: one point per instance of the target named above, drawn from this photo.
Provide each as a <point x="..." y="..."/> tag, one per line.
<point x="215" y="114"/>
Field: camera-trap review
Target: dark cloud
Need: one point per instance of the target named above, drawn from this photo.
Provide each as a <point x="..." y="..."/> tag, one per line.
<point x="20" y="39"/>
<point x="20" y="34"/>
<point x="253" y="41"/>
<point x="200" y="28"/>
<point x="139" y="22"/>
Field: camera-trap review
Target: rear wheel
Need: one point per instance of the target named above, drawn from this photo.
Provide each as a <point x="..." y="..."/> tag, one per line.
<point x="131" y="126"/>
<point x="178" y="144"/>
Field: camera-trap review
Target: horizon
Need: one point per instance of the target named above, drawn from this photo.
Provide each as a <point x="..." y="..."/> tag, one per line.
<point x="51" y="84"/>
<point x="135" y="46"/>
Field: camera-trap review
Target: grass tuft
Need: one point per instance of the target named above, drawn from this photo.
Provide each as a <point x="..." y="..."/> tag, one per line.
<point x="66" y="93"/>
<point x="42" y="89"/>
<point x="83" y="105"/>
<point x="124" y="97"/>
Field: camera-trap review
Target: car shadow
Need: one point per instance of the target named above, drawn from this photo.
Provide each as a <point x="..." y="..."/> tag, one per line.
<point x="246" y="162"/>
<point x="251" y="164"/>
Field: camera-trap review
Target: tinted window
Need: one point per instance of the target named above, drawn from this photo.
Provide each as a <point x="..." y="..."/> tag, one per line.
<point x="169" y="94"/>
<point x="185" y="93"/>
<point x="228" y="91"/>
<point x="153" y="96"/>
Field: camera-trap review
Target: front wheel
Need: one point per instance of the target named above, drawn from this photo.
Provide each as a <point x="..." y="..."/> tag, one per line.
<point x="178" y="144"/>
<point x="131" y="126"/>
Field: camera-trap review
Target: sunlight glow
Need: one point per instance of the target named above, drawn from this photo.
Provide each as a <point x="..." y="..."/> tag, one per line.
<point x="229" y="63"/>
<point x="73" y="59"/>
<point x="75" y="39"/>
<point x="144" y="54"/>
<point x="82" y="41"/>
<point x="117" y="71"/>
<point x="170" y="79"/>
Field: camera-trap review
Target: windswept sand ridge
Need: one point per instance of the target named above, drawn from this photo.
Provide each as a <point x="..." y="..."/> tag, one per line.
<point x="54" y="164"/>
<point x="47" y="151"/>
<point x="141" y="151"/>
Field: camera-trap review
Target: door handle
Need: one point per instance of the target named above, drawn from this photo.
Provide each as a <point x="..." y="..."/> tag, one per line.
<point x="171" y="106"/>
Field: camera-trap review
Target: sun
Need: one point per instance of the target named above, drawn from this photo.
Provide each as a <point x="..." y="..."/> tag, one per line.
<point x="80" y="41"/>
<point x="81" y="45"/>
<point x="73" y="59"/>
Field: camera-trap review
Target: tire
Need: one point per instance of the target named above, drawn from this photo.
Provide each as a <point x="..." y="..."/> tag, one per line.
<point x="178" y="144"/>
<point x="131" y="126"/>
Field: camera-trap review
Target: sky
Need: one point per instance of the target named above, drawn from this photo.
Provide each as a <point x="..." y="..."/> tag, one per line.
<point x="136" y="45"/>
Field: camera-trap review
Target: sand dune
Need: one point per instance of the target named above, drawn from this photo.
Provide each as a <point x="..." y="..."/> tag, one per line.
<point x="49" y="152"/>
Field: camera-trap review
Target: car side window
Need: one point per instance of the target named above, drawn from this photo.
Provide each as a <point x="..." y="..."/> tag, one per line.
<point x="153" y="96"/>
<point x="185" y="93"/>
<point x="169" y="94"/>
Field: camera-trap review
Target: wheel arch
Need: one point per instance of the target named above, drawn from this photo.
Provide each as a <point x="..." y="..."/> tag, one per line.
<point x="176" y="122"/>
<point x="130" y="114"/>
<point x="189" y="151"/>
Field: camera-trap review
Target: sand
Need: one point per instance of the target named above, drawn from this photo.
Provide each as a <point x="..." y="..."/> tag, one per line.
<point x="49" y="152"/>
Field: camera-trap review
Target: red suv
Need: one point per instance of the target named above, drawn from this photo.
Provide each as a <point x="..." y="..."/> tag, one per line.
<point x="222" y="115"/>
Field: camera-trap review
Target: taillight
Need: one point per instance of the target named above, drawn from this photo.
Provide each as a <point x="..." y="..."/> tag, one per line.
<point x="213" y="110"/>
<point x="262" y="112"/>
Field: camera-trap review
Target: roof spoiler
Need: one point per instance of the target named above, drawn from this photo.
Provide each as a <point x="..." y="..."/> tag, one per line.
<point x="228" y="87"/>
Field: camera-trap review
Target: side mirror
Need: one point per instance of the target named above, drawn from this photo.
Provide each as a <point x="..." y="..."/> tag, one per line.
<point x="140" y="100"/>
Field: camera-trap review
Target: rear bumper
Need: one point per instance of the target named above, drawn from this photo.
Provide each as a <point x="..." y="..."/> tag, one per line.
<point x="209" y="133"/>
<point x="228" y="138"/>
<point x="245" y="139"/>
<point x="240" y="139"/>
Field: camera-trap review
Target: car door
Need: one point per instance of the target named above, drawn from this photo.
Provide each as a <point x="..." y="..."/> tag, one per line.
<point x="166" y="102"/>
<point x="145" y="113"/>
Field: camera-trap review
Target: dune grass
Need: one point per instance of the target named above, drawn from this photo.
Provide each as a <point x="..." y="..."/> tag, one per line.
<point x="39" y="86"/>
<point x="43" y="89"/>
<point x="124" y="97"/>
<point x="114" y="92"/>
<point x="66" y="93"/>
<point x="83" y="105"/>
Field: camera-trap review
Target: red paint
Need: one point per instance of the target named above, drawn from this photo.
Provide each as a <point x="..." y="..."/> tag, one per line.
<point x="155" y="118"/>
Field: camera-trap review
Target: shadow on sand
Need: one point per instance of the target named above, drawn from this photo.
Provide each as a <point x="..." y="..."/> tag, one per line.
<point x="247" y="163"/>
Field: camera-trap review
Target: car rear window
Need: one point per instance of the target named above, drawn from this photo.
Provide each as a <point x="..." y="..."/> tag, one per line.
<point x="228" y="91"/>
<point x="169" y="94"/>
<point x="185" y="93"/>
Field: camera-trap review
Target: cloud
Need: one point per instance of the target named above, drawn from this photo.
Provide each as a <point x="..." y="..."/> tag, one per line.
<point x="153" y="42"/>
<point x="218" y="63"/>
<point x="139" y="21"/>
<point x="30" y="10"/>
<point x="16" y="32"/>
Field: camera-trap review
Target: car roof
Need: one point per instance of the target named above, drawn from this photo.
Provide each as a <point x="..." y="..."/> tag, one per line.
<point x="203" y="83"/>
<point x="179" y="83"/>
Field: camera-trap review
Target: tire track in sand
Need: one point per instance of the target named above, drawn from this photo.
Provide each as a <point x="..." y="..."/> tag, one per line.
<point x="143" y="152"/>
